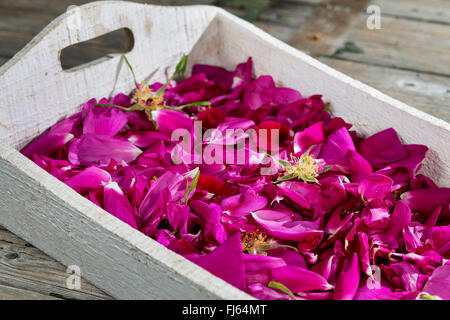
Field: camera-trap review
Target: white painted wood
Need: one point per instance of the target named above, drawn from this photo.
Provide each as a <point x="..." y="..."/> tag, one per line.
<point x="35" y="93"/>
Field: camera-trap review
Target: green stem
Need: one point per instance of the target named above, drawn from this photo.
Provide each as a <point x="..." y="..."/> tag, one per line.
<point x="134" y="107"/>
<point x="132" y="71"/>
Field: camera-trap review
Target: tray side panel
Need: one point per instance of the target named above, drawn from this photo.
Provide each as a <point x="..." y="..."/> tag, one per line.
<point x="367" y="109"/>
<point x="112" y="255"/>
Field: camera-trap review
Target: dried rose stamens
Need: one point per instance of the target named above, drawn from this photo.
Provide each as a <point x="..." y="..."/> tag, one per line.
<point x="146" y="98"/>
<point x="304" y="168"/>
<point x="252" y="242"/>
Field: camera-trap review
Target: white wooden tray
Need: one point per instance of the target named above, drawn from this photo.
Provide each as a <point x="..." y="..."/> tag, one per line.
<point x="35" y="93"/>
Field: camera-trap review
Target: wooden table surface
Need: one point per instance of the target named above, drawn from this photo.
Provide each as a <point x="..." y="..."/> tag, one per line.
<point x="408" y="59"/>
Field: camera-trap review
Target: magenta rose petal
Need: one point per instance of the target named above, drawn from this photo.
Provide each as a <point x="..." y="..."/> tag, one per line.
<point x="117" y="204"/>
<point x="299" y="279"/>
<point x="226" y="262"/>
<point x="348" y="280"/>
<point x="281" y="225"/>
<point x="99" y="150"/>
<point x="401" y="217"/>
<point x="170" y="120"/>
<point x="383" y="148"/>
<point x="47" y="144"/>
<point x="104" y="121"/>
<point x="90" y="178"/>
<point x="310" y="136"/>
<point x="425" y="201"/>
<point x="439" y="282"/>
<point x="243" y="204"/>
<point x="375" y="186"/>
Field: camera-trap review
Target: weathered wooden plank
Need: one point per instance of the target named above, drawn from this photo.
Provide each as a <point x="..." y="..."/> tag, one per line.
<point x="287" y="14"/>
<point x="418" y="46"/>
<point x="11" y="293"/>
<point x="426" y="10"/>
<point x="25" y="267"/>
<point x="428" y="93"/>
<point x="325" y="28"/>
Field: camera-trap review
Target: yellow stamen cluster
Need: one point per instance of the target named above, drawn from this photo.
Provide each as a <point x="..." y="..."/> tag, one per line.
<point x="252" y="242"/>
<point x="304" y="167"/>
<point x="147" y="99"/>
<point x="204" y="108"/>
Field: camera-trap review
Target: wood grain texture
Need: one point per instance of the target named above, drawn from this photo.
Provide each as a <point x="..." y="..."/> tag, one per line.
<point x="29" y="270"/>
<point x="402" y="45"/>
<point x="428" y="93"/>
<point x="436" y="11"/>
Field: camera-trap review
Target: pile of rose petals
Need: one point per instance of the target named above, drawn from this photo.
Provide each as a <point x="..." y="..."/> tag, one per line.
<point x="371" y="228"/>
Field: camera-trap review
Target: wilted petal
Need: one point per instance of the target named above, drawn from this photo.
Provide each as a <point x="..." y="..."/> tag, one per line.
<point x="226" y="262"/>
<point x="439" y="282"/>
<point x="302" y="194"/>
<point x="147" y="138"/>
<point x="104" y="120"/>
<point x="47" y="144"/>
<point x="178" y="214"/>
<point x="401" y="217"/>
<point x="310" y="136"/>
<point x="375" y="186"/>
<point x="281" y="225"/>
<point x="336" y="147"/>
<point x="99" y="150"/>
<point x="348" y="281"/>
<point x="90" y="178"/>
<point x="427" y="200"/>
<point x="211" y="214"/>
<point x="170" y="120"/>
<point x="243" y="204"/>
<point x="117" y="204"/>
<point x="257" y="267"/>
<point x="262" y="292"/>
<point x="383" y="148"/>
<point x="412" y="235"/>
<point x="174" y="183"/>
<point x="299" y="279"/>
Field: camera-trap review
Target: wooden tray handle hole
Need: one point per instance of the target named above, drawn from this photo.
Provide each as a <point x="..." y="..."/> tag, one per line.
<point x="86" y="53"/>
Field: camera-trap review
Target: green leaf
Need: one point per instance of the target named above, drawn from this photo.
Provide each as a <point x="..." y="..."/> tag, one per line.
<point x="284" y="163"/>
<point x="327" y="107"/>
<point x="180" y="69"/>
<point x="134" y="107"/>
<point x="194" y="181"/>
<point x="328" y="168"/>
<point x="285" y="178"/>
<point x="427" y="296"/>
<point x="281" y="287"/>
<point x="309" y="149"/>
<point x="194" y="104"/>
<point x="266" y="247"/>
<point x="131" y="69"/>
<point x="195" y="174"/>
<point x="163" y="88"/>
